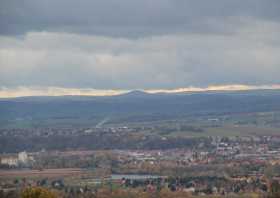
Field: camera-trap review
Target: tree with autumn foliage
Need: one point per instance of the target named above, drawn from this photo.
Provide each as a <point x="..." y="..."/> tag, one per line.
<point x="37" y="192"/>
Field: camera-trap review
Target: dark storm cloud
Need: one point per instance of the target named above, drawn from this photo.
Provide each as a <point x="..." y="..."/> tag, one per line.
<point x="131" y="17"/>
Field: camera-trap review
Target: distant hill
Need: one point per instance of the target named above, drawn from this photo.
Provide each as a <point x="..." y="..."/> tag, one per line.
<point x="137" y="104"/>
<point x="135" y="93"/>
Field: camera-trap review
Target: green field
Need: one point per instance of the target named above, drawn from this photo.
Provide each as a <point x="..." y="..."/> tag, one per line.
<point x="230" y="130"/>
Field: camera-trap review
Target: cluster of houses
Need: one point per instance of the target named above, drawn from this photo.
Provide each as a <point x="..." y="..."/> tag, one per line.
<point x="14" y="160"/>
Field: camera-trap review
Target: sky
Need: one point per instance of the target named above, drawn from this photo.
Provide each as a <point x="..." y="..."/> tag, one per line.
<point x="87" y="46"/>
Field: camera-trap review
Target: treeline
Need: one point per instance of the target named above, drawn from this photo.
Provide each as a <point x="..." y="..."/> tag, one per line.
<point x="10" y="144"/>
<point x="37" y="192"/>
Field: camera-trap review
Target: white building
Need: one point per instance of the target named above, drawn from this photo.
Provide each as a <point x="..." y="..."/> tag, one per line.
<point x="10" y="160"/>
<point x="23" y="157"/>
<point x="15" y="160"/>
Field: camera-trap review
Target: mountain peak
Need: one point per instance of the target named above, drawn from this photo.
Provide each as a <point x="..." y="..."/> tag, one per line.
<point x="136" y="93"/>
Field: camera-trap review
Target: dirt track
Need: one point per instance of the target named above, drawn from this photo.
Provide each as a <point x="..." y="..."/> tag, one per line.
<point x="41" y="173"/>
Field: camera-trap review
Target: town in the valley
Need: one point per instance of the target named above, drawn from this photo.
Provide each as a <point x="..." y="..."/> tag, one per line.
<point x="194" y="166"/>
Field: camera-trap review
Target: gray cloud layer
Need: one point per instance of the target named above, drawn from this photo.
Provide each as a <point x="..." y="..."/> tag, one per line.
<point x="131" y="17"/>
<point x="143" y="44"/>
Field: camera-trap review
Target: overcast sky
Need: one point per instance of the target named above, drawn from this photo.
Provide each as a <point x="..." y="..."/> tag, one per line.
<point x="138" y="44"/>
